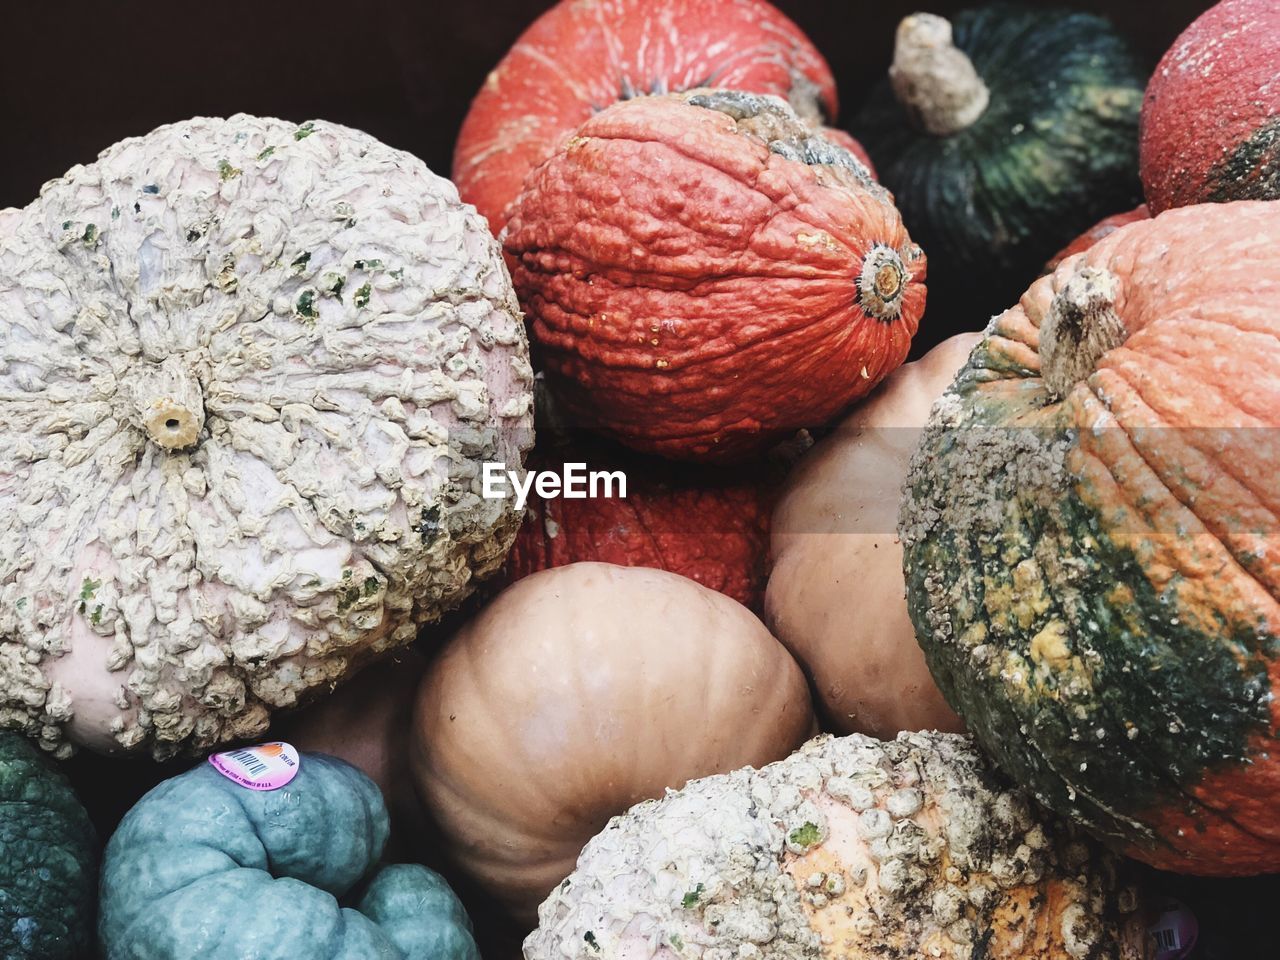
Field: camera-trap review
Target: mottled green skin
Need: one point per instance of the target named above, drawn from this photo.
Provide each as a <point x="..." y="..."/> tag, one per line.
<point x="1054" y="152"/>
<point x="1153" y="704"/>
<point x="48" y="859"/>
<point x="1251" y="171"/>
<point x="204" y="869"/>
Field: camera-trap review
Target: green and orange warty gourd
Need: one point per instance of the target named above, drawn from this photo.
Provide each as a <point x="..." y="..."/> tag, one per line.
<point x="1091" y="540"/>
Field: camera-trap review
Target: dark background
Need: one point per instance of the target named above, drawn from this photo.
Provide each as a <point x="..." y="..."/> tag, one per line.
<point x="76" y="77"/>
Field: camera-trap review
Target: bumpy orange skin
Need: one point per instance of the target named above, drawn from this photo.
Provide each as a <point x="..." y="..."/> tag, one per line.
<point x="1103" y="228"/>
<point x="1129" y="676"/>
<point x="695" y="294"/>
<point x="711" y="529"/>
<point x="579" y="57"/>
<point x="1211" y="115"/>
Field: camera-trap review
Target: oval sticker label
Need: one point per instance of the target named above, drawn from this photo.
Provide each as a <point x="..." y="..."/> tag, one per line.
<point x="1174" y="932"/>
<point x="268" y="766"/>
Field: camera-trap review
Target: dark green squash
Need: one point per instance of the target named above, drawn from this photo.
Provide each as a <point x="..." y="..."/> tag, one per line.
<point x="205" y="869"/>
<point x="48" y="859"/>
<point x="1002" y="148"/>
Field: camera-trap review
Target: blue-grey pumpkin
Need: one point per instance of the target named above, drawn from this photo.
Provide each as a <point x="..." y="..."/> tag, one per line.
<point x="205" y="869"/>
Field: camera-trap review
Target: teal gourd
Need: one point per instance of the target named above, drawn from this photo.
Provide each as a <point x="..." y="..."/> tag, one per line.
<point x="204" y="869"/>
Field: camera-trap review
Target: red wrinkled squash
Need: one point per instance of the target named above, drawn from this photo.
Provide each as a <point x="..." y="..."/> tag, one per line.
<point x="580" y="57"/>
<point x="1211" y="116"/>
<point x="703" y="275"/>
<point x="836" y="597"/>
<point x="709" y="527"/>
<point x="1092" y="544"/>
<point x="581" y="691"/>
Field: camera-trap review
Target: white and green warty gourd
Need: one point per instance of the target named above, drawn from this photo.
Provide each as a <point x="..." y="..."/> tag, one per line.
<point x="249" y="371"/>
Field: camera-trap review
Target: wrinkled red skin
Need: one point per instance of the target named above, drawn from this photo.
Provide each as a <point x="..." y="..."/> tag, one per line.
<point x="705" y="528"/>
<point x="695" y="295"/>
<point x="1103" y="228"/>
<point x="1216" y="86"/>
<point x="579" y="57"/>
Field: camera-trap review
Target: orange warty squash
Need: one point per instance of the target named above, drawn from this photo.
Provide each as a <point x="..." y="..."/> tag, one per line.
<point x="578" y="692"/>
<point x="711" y="526"/>
<point x="578" y="58"/>
<point x="704" y="276"/>
<point x="1091" y="540"/>
<point x="835" y="597"/>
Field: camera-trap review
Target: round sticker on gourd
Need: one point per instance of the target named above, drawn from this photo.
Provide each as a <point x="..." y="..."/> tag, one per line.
<point x="267" y="766"/>
<point x="1174" y="931"/>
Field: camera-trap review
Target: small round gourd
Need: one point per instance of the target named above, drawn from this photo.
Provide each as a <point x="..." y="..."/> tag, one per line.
<point x="1090" y="539"/>
<point x="579" y="691"/>
<point x="836" y="597"/>
<point x="1211" y="116"/>
<point x="1003" y="133"/>
<point x="205" y="869"/>
<point x="48" y="859"/>
<point x="249" y="370"/>
<point x="850" y="848"/>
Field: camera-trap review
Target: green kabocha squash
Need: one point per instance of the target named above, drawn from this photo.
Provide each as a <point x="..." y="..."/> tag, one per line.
<point x="203" y="868"/>
<point x="1003" y="134"/>
<point x="48" y="859"/>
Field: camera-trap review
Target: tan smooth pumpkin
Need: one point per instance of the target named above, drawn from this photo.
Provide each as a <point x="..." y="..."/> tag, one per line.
<point x="580" y="691"/>
<point x="836" y="596"/>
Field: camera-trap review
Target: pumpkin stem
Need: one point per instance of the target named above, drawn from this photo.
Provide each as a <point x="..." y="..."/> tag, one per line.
<point x="170" y="405"/>
<point x="933" y="80"/>
<point x="1081" y="325"/>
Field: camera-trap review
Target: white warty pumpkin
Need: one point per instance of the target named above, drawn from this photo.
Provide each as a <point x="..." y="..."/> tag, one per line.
<point x="850" y="849"/>
<point x="249" y="370"/>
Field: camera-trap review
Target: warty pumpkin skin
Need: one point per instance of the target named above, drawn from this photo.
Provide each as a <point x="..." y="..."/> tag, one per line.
<point x="1091" y="549"/>
<point x="1211" y="116"/>
<point x="709" y="526"/>
<point x="204" y="869"/>
<point x="48" y="860"/>
<point x="248" y="372"/>
<point x="836" y="597"/>
<point x="1003" y="134"/>
<point x="850" y="848"/>
<point x="578" y="58"/>
<point x="578" y="692"/>
<point x="703" y="276"/>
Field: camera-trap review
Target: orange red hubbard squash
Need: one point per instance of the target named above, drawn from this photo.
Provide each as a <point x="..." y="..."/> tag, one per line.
<point x="704" y="276"/>
<point x="578" y="58"/>
<point x="1211" y="115"/>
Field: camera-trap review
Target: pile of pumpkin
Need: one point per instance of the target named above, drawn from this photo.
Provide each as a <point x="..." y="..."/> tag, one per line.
<point x="250" y="373"/>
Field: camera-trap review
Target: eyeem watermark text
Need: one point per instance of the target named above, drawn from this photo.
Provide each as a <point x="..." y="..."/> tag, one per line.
<point x="573" y="482"/>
